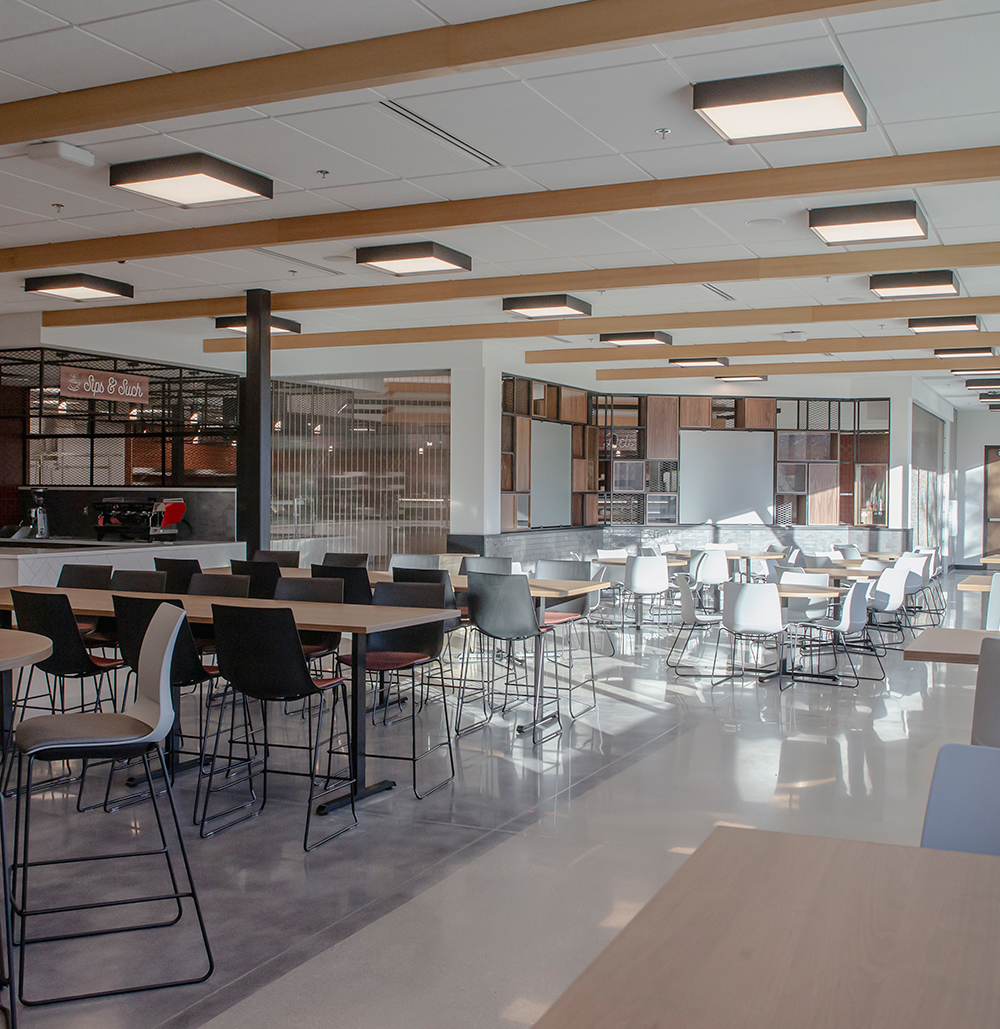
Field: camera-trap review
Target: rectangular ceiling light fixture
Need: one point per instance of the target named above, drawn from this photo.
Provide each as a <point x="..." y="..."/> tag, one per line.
<point x="556" y="305"/>
<point x="905" y="285"/>
<point x="782" y="105"/>
<point x="995" y="407"/>
<point x="78" y="286"/>
<point x="964" y="352"/>
<point x="741" y="378"/>
<point x="990" y="397"/>
<point x="699" y="362"/>
<point x="190" y="180"/>
<point x="958" y="323"/>
<point x="869" y="223"/>
<point x="419" y="258"/>
<point x="637" y="339"/>
<point x="969" y="371"/>
<point x="238" y="323"/>
<point x="992" y="383"/>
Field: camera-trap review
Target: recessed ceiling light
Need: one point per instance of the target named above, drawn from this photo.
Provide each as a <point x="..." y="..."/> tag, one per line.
<point x="782" y="105"/>
<point x="966" y="371"/>
<point x="190" y="180"/>
<point x="765" y="223"/>
<point x="914" y="284"/>
<point x="419" y="258"/>
<point x="555" y="305"/>
<point x="78" y="286"/>
<point x="990" y="383"/>
<point x="958" y="323"/>
<point x="957" y="352"/>
<point x="700" y="362"/>
<point x="238" y="323"/>
<point x="869" y="223"/>
<point x="741" y="378"/>
<point x="636" y="339"/>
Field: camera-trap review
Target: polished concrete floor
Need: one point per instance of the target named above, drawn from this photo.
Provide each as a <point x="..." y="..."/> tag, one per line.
<point x="481" y="903"/>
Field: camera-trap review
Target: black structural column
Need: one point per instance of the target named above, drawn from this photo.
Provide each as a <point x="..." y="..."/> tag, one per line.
<point x="253" y="458"/>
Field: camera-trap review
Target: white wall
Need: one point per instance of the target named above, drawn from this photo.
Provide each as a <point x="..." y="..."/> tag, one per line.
<point x="976" y="431"/>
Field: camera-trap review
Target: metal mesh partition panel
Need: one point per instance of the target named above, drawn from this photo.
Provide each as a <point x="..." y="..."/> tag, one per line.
<point x="362" y="464"/>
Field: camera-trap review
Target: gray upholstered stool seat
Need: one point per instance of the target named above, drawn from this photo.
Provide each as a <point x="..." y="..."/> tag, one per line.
<point x="67" y="731"/>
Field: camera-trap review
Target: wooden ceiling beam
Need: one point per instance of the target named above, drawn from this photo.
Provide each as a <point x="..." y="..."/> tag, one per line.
<point x="755" y="269"/>
<point x="848" y="345"/>
<point x="876" y="173"/>
<point x="524" y="329"/>
<point x="532" y="35"/>
<point x="791" y="368"/>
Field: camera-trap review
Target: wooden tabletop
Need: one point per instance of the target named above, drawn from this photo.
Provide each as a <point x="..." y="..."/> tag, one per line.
<point x="990" y="559"/>
<point x="354" y="618"/>
<point x="976" y="584"/>
<point x="948" y="646"/>
<point x="881" y="555"/>
<point x="764" y="930"/>
<point x="843" y="573"/>
<point x="787" y="590"/>
<point x="675" y="559"/>
<point x="18" y="649"/>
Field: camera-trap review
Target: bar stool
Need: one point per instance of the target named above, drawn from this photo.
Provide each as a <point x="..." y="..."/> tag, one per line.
<point x="282" y="558"/>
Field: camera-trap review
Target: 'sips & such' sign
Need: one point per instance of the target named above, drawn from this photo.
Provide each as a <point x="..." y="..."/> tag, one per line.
<point x="87" y="384"/>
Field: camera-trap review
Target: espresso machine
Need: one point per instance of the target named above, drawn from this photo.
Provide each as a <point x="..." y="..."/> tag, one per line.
<point x="39" y="516"/>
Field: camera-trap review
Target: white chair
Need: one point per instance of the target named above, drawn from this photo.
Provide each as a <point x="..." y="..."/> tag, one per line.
<point x="615" y="574"/>
<point x="963" y="806"/>
<point x="993" y="604"/>
<point x="986" y="709"/>
<point x="792" y="555"/>
<point x="668" y="548"/>
<point x="709" y="569"/>
<point x="691" y="620"/>
<point x="649" y="551"/>
<point x="848" y="551"/>
<point x="805" y="609"/>
<point x="936" y="573"/>
<point x="645" y="577"/>
<point x="916" y="587"/>
<point x="751" y="615"/>
<point x="712" y="546"/>
<point x="887" y="598"/>
<point x="848" y="633"/>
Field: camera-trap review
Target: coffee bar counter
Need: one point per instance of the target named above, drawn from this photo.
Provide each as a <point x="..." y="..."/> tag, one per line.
<point x="38" y="562"/>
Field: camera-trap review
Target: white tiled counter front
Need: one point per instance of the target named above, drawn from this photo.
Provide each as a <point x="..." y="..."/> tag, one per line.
<point x="35" y="567"/>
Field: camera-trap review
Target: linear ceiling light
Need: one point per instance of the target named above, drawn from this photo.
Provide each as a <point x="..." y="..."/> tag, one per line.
<point x="417" y="258"/>
<point x="914" y="284"/>
<point x="869" y="223"/>
<point x="238" y="323"/>
<point x="78" y="286"/>
<point x="990" y="397"/>
<point x="991" y="383"/>
<point x="995" y="407"/>
<point x="968" y="371"/>
<point x="783" y="105"/>
<point x="957" y="323"/>
<point x="964" y="352"/>
<point x="555" y="305"/>
<point x="699" y="362"/>
<point x="636" y="339"/>
<point x="741" y="378"/>
<point x="190" y="180"/>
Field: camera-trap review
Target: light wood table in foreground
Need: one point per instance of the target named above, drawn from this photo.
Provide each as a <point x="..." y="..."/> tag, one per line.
<point x="17" y="650"/>
<point x="990" y="559"/>
<point x="763" y="930"/>
<point x="948" y="646"/>
<point x="976" y="584"/>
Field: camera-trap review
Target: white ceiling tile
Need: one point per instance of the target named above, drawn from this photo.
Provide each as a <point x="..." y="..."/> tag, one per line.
<point x="576" y="237"/>
<point x="907" y="15"/>
<point x="971" y="234"/>
<point x="122" y="222"/>
<point x="584" y="171"/>
<point x="733" y="219"/>
<point x="955" y="133"/>
<point x="510" y="123"/>
<point x="634" y="259"/>
<point x="692" y="255"/>
<point x="318" y="103"/>
<point x="27" y="232"/>
<point x="852" y="146"/>
<point x="670" y="162"/>
<point x="13" y="88"/>
<point x="758" y="60"/>
<point x="980" y="282"/>
<point x="771" y="291"/>
<point x="71" y="59"/>
<point x="611" y="58"/>
<point x="21" y="19"/>
<point x="717" y="41"/>
<point x="383" y="138"/>
<point x="204" y="121"/>
<point x="394" y="193"/>
<point x="932" y="70"/>
<point x="495" y="243"/>
<point x="38" y="198"/>
<point x="961" y="204"/>
<point x="285" y="153"/>
<point x="457" y="11"/>
<point x="79" y="12"/>
<point x="484" y="183"/>
<point x="625" y="106"/>
<point x="666" y="228"/>
<point x="314" y="23"/>
<point x="447" y="83"/>
<point x="141" y="148"/>
<point x="114" y="135"/>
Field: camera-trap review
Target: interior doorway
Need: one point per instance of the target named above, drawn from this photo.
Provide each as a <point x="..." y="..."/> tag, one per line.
<point x="991" y="501"/>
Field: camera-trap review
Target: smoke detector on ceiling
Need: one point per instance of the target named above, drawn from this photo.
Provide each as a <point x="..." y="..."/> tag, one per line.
<point x="794" y="336"/>
<point x="60" y="153"/>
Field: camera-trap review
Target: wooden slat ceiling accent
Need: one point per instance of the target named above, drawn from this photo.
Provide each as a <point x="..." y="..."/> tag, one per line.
<point x="533" y="35"/>
<point x="851" y="344"/>
<point x="795" y="368"/>
<point x="946" y="166"/>
<point x="524" y="329"/>
<point x="966" y="255"/>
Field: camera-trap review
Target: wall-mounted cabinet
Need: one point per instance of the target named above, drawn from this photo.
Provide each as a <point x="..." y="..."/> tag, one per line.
<point x="695" y="412"/>
<point x="662" y="428"/>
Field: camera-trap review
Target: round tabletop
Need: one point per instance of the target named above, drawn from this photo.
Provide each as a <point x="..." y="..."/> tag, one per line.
<point x="18" y="649"/>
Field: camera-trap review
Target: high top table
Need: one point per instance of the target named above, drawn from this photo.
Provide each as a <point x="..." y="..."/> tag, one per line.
<point x="766" y="930"/>
<point x="948" y="646"/>
<point x="359" y="620"/>
<point x="17" y="649"/>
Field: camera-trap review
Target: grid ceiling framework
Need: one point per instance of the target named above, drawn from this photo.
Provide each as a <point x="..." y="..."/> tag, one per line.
<point x="925" y="72"/>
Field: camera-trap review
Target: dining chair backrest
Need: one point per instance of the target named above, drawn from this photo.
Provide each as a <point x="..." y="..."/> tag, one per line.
<point x="689" y="613"/>
<point x="792" y="555"/>
<point x="649" y="551"/>
<point x="806" y="607"/>
<point x="130" y="580"/>
<point x="357" y="586"/>
<point x="491" y="565"/>
<point x="963" y="806"/>
<point x="822" y="561"/>
<point x="282" y="558"/>
<point x="210" y="585"/>
<point x="993" y="604"/>
<point x="889" y="594"/>
<point x="712" y="546"/>
<point x="986" y="707"/>
<point x="414" y="561"/>
<point x="607" y="555"/>
<point x="311" y="591"/>
<point x="85" y="577"/>
<point x="50" y="614"/>
<point x="854" y="608"/>
<point x="713" y="568"/>
<point x="567" y="571"/>
<point x="668" y="548"/>
<point x="154" y="701"/>
<point x="412" y="639"/>
<point x="345" y="560"/>
<point x="752" y="608"/>
<point x="433" y="575"/>
<point x="501" y="606"/>
<point x="263" y="575"/>
<point x="646" y="576"/>
<point x="869" y="564"/>
<point x="849" y="552"/>
<point x="917" y="568"/>
<point x="179" y="571"/>
<point x="133" y="616"/>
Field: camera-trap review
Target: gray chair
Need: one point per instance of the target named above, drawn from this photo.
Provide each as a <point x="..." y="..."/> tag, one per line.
<point x="993" y="604"/>
<point x="206" y="584"/>
<point x="179" y="571"/>
<point x="345" y="560"/>
<point x="490" y="565"/>
<point x="316" y="644"/>
<point x="283" y="558"/>
<point x="986" y="708"/>
<point x="128" y="580"/>
<point x="85" y="577"/>
<point x="414" y="561"/>
<point x="963" y="807"/>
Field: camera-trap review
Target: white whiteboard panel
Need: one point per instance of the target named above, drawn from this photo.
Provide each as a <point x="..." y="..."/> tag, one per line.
<point x="551" y="474"/>
<point x="726" y="477"/>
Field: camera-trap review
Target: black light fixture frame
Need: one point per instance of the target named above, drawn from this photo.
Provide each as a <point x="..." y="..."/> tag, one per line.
<point x="519" y="304"/>
<point x="741" y="378"/>
<point x="178" y="165"/>
<point x="70" y="279"/>
<point x="413" y="251"/>
<point x="239" y="321"/>
<point x="890" y="280"/>
<point x="655" y="338"/>
<point x="964" y="352"/>
<point x="699" y="362"/>
<point x="991" y="383"/>
<point x="960" y="320"/>
<point x="893" y="210"/>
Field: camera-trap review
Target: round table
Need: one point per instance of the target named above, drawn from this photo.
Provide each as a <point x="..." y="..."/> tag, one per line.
<point x="18" y="649"/>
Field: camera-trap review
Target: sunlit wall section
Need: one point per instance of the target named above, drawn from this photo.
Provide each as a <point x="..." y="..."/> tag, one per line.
<point x="926" y="478"/>
<point x="362" y="464"/>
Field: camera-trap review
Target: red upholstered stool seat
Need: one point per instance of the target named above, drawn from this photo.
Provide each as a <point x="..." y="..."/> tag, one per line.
<point x="391" y="660"/>
<point x="559" y="617"/>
